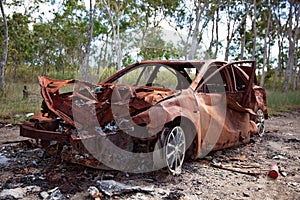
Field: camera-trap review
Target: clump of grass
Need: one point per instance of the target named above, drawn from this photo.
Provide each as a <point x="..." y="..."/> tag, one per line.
<point x="13" y="107"/>
<point x="282" y="101"/>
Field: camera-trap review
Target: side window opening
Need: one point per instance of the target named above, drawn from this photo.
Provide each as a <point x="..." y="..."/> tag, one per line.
<point x="232" y="77"/>
<point x="240" y="82"/>
<point x="214" y="81"/>
<point x="166" y="77"/>
<point x="156" y="75"/>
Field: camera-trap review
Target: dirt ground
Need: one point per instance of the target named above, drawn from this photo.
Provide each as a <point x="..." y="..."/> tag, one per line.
<point x="29" y="172"/>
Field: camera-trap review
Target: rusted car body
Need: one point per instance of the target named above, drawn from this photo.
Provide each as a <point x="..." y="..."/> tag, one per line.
<point x="151" y="114"/>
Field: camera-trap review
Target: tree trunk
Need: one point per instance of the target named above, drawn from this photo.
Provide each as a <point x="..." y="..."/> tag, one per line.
<point x="243" y="42"/>
<point x="217" y="34"/>
<point x="197" y="33"/>
<point x="278" y="72"/>
<point x="116" y="31"/>
<point x="3" y="61"/>
<point x="290" y="62"/>
<point x="269" y="54"/>
<point x="298" y="77"/>
<point x="262" y="79"/>
<point x="296" y="36"/>
<point x="231" y="32"/>
<point x="100" y="60"/>
<point x="228" y="35"/>
<point x="281" y="64"/>
<point x="194" y="43"/>
<point x="254" y="31"/>
<point x="208" y="53"/>
<point x="85" y="64"/>
<point x="228" y="41"/>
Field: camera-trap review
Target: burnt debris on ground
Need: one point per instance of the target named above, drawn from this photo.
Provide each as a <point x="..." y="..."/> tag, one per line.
<point x="28" y="172"/>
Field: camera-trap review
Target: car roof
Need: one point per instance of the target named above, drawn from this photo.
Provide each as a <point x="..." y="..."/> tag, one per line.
<point x="176" y="64"/>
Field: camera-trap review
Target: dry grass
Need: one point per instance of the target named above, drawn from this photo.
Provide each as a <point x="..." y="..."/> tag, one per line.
<point x="279" y="101"/>
<point x="14" y="107"/>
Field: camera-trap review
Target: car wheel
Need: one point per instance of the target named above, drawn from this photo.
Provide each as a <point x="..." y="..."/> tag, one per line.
<point x="260" y="122"/>
<point x="174" y="150"/>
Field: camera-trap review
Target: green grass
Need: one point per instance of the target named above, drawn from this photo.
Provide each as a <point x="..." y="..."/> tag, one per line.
<point x="13" y="108"/>
<point x="279" y="101"/>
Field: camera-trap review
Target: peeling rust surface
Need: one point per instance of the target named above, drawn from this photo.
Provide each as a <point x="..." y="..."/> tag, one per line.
<point x="134" y="117"/>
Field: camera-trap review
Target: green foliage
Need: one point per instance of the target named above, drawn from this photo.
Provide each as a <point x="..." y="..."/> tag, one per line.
<point x="55" y="44"/>
<point x="24" y="74"/>
<point x="107" y="72"/>
<point x="155" y="48"/>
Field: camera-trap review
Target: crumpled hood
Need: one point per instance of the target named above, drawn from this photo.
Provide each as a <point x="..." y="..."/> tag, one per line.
<point x="106" y="101"/>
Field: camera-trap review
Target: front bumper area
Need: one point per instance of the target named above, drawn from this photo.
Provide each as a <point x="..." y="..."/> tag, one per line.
<point x="28" y="129"/>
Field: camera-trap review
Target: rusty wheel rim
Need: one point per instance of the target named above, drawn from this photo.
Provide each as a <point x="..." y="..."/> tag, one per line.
<point x="175" y="150"/>
<point x="260" y="122"/>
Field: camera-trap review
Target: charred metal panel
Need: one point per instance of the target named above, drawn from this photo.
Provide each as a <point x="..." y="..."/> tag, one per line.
<point x="261" y="99"/>
<point x="28" y="130"/>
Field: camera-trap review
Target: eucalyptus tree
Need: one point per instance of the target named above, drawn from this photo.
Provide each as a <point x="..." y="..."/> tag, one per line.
<point x="191" y="19"/>
<point x="235" y="13"/>
<point x="150" y="34"/>
<point x="280" y="36"/>
<point x="293" y="38"/>
<point x="297" y="53"/>
<point x="20" y="45"/>
<point x="84" y="66"/>
<point x="214" y="36"/>
<point x="201" y="8"/>
<point x="243" y="31"/>
<point x="254" y="21"/>
<point x="155" y="47"/>
<point x="267" y="14"/>
<point x="130" y="26"/>
<point x="3" y="60"/>
<point x="62" y="40"/>
<point x="115" y="11"/>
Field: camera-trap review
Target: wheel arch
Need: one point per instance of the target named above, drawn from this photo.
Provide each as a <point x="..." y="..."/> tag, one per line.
<point x="190" y="131"/>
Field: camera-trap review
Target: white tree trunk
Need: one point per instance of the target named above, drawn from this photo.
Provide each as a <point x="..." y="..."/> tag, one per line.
<point x="296" y="36"/>
<point x="3" y="61"/>
<point x="243" y="42"/>
<point x="231" y="30"/>
<point x="217" y="34"/>
<point x="194" y="43"/>
<point x="290" y="62"/>
<point x="262" y="79"/>
<point x="278" y="72"/>
<point x="115" y="24"/>
<point x="254" y="31"/>
<point x="85" y="64"/>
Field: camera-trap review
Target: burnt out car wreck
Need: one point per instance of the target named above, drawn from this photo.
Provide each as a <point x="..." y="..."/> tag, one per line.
<point x="150" y="115"/>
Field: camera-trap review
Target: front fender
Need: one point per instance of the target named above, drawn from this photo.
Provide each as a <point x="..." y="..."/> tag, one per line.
<point x="260" y="96"/>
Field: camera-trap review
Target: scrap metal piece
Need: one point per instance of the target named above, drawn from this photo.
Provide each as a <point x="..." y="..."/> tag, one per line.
<point x="111" y="187"/>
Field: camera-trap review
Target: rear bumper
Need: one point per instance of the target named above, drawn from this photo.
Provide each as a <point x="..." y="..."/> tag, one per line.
<point x="71" y="154"/>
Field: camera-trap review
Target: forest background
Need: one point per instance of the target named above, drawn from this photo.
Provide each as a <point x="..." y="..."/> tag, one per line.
<point x="64" y="38"/>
